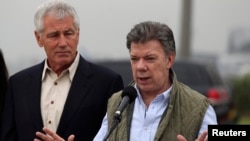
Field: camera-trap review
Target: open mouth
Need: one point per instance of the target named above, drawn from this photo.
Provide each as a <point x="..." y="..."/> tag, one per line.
<point x="143" y="78"/>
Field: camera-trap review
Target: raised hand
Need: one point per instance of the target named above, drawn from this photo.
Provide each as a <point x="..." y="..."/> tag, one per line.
<point x="51" y="136"/>
<point x="202" y="137"/>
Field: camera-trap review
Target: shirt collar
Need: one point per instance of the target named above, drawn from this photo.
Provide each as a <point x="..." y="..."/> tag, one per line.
<point x="165" y="95"/>
<point x="72" y="68"/>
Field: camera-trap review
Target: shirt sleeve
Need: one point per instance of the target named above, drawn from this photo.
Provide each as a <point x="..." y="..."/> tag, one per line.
<point x="209" y="119"/>
<point x="103" y="130"/>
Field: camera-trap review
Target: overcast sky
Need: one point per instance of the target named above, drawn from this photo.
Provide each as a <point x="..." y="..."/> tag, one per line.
<point x="104" y="25"/>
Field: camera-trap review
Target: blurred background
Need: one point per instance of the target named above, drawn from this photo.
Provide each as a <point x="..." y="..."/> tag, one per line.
<point x="211" y="31"/>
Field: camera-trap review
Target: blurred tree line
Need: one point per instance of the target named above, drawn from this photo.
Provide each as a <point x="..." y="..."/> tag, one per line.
<point x="241" y="93"/>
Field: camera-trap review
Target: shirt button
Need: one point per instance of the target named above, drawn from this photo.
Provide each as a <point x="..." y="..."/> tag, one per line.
<point x="55" y="83"/>
<point x="52" y="102"/>
<point x="49" y="122"/>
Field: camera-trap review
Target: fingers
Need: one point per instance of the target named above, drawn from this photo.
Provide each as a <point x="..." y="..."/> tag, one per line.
<point x="71" y="138"/>
<point x="43" y="137"/>
<point x="48" y="136"/>
<point x="52" y="134"/>
<point x="181" y="138"/>
<point x="202" y="137"/>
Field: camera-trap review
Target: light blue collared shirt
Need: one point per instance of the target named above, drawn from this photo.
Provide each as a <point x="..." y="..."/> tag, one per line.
<point x="145" y="119"/>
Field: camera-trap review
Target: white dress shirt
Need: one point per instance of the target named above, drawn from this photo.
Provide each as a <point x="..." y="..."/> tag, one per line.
<point x="54" y="93"/>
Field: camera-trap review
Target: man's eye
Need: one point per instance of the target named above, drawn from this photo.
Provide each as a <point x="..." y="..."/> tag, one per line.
<point x="52" y="35"/>
<point x="69" y="33"/>
<point x="133" y="59"/>
<point x="150" y="58"/>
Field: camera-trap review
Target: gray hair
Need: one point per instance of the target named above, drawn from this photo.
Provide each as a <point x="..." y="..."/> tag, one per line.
<point x="59" y="9"/>
<point x="149" y="30"/>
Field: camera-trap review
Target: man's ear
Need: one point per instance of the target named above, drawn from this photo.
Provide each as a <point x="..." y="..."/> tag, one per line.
<point x="38" y="38"/>
<point x="170" y="60"/>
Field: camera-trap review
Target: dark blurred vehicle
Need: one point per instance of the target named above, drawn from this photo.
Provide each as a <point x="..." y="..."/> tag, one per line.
<point x="204" y="78"/>
<point x="198" y="76"/>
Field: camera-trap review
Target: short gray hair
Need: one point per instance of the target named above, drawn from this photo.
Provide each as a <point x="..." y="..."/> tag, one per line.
<point x="149" y="30"/>
<point x="57" y="8"/>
